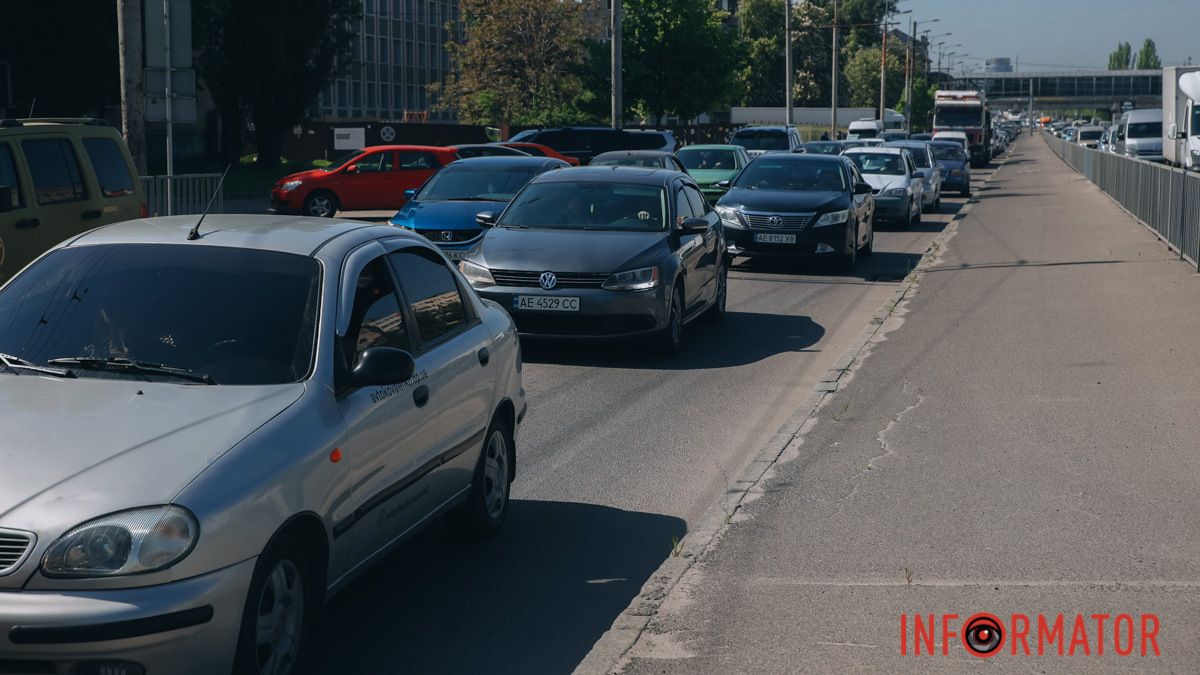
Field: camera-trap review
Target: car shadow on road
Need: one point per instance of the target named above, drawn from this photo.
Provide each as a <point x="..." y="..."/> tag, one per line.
<point x="741" y="339"/>
<point x="533" y="600"/>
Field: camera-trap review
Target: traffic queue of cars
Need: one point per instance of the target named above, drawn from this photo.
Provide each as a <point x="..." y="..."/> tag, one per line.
<point x="350" y="371"/>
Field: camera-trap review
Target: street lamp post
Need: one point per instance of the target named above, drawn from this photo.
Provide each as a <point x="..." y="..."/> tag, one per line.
<point x="883" y="65"/>
<point x="787" y="60"/>
<point x="834" y="84"/>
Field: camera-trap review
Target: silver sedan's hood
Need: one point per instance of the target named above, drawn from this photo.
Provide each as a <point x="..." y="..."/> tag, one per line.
<point x="71" y="450"/>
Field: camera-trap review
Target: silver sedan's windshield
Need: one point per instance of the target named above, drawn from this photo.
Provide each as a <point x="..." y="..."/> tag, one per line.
<point x="589" y="205"/>
<point x="176" y="312"/>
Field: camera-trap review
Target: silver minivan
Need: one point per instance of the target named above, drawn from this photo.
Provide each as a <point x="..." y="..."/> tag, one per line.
<point x="207" y="433"/>
<point x="1141" y="134"/>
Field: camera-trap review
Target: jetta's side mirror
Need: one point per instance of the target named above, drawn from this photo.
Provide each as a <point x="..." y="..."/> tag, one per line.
<point x="380" y="366"/>
<point x="485" y="219"/>
<point x="693" y="225"/>
<point x="862" y="189"/>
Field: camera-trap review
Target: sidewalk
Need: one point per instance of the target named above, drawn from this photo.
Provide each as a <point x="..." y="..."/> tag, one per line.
<point x="1022" y="439"/>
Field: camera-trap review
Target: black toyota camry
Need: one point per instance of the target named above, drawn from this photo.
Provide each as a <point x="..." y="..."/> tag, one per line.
<point x="604" y="252"/>
<point x="805" y="205"/>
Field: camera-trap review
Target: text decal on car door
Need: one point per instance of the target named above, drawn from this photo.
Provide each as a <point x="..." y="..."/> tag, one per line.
<point x="384" y="393"/>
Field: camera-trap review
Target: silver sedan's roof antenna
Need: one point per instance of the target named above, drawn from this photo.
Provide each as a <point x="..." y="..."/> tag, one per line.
<point x="194" y="233"/>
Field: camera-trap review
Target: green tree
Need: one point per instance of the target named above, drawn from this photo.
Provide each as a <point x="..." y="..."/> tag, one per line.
<point x="1147" y="58"/>
<point x="269" y="59"/>
<point x="922" y="111"/>
<point x="860" y="20"/>
<point x="520" y="63"/>
<point x="679" y="58"/>
<point x="862" y="78"/>
<point x="1121" y="58"/>
<point x="762" y="72"/>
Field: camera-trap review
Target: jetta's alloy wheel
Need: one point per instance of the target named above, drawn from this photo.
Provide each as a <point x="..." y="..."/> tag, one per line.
<point x="671" y="335"/>
<point x="717" y="312"/>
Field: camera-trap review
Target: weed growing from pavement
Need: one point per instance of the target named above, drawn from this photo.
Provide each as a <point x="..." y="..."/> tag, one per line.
<point x="676" y="546"/>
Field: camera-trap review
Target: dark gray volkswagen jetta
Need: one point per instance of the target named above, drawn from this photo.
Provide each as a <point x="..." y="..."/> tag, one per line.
<point x="604" y="252"/>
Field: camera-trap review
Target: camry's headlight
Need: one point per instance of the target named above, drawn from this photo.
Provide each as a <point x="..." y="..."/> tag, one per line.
<point x="128" y="542"/>
<point x="730" y="217"/>
<point x="477" y="275"/>
<point x="633" y="280"/>
<point x="896" y="192"/>
<point x="290" y="185"/>
<point x="833" y="218"/>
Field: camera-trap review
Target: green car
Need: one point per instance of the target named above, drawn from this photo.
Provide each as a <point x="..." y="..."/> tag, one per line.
<point x="709" y="164"/>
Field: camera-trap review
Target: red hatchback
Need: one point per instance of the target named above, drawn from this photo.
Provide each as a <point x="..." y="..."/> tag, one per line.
<point x="371" y="179"/>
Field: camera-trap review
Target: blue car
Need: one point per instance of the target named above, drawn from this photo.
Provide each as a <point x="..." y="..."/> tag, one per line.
<point x="444" y="209"/>
<point x="955" y="165"/>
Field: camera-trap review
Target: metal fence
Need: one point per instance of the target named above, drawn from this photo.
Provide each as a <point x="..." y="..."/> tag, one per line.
<point x="1164" y="198"/>
<point x="189" y="193"/>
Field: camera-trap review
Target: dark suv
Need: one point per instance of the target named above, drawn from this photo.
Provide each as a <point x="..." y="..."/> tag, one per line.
<point x="584" y="143"/>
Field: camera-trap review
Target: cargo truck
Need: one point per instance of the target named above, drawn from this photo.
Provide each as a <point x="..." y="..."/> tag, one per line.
<point x="1181" y="116"/>
<point x="966" y="111"/>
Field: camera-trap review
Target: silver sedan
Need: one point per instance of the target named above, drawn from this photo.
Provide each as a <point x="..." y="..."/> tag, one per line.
<point x="205" y="437"/>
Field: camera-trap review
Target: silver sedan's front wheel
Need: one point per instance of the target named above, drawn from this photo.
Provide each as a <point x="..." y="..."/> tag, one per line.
<point x="280" y="619"/>
<point x="278" y="611"/>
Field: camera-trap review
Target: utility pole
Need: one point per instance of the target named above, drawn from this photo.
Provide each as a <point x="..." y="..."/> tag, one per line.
<point x="908" y="73"/>
<point x="787" y="62"/>
<point x="834" y="85"/>
<point x="133" y="119"/>
<point x="618" y="116"/>
<point x="883" y="70"/>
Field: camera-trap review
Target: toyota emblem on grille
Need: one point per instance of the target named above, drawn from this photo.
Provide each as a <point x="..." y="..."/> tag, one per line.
<point x="548" y="281"/>
<point x="775" y="221"/>
<point x="447" y="235"/>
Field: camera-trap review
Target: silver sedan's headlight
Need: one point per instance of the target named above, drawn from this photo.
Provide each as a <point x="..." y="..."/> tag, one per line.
<point x="642" y="279"/>
<point x="833" y="218"/>
<point x="128" y="542"/>
<point x="290" y="185"/>
<point x="477" y="275"/>
<point x="730" y="217"/>
<point x="896" y="192"/>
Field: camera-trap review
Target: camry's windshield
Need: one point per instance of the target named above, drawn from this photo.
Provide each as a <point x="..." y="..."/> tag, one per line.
<point x="477" y="182"/>
<point x="239" y="316"/>
<point x="708" y="158"/>
<point x="823" y="148"/>
<point x="869" y="162"/>
<point x="958" y="117"/>
<point x="948" y="152"/>
<point x="792" y="174"/>
<point x="589" y="205"/>
<point x="761" y="140"/>
<point x="343" y="160"/>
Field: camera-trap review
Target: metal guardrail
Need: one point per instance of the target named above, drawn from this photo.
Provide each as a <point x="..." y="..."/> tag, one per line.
<point x="1164" y="198"/>
<point x="189" y="193"/>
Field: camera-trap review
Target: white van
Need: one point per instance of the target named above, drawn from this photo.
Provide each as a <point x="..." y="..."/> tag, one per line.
<point x="860" y="129"/>
<point x="1141" y="134"/>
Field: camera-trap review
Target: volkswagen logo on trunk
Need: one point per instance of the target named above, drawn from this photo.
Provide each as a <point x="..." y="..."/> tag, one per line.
<point x="548" y="281"/>
<point x="775" y="221"/>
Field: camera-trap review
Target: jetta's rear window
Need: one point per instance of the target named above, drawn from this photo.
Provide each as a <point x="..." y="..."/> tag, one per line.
<point x="241" y="316"/>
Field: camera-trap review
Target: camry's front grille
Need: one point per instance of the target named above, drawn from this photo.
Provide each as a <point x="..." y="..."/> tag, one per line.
<point x="564" y="279"/>
<point x="778" y="221"/>
<point x="14" y="546"/>
<point x="449" y="236"/>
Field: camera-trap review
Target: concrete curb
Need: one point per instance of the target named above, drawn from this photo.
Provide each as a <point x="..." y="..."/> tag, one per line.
<point x="609" y="652"/>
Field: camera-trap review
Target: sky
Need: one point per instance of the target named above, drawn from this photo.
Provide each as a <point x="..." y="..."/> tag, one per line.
<point x="1060" y="34"/>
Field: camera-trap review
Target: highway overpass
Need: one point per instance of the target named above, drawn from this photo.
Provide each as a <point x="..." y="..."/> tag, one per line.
<point x="1103" y="89"/>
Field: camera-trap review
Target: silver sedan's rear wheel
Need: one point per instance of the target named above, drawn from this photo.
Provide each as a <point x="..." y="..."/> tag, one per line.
<point x="484" y="512"/>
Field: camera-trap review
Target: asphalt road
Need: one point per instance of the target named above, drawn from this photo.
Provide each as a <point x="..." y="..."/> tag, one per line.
<point x="621" y="450"/>
<point x="1023" y="441"/>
